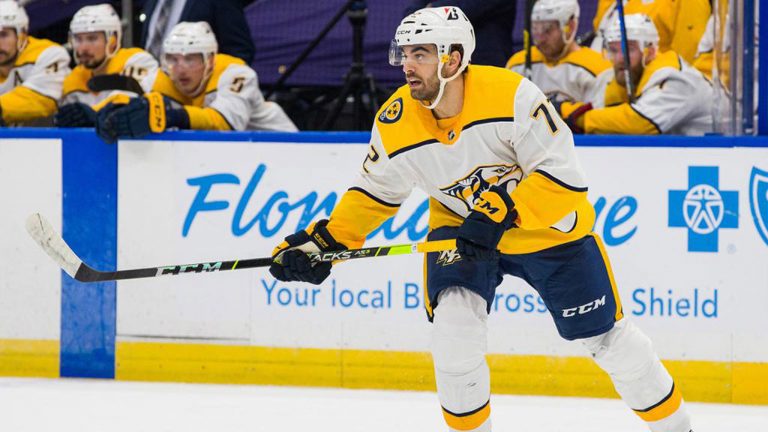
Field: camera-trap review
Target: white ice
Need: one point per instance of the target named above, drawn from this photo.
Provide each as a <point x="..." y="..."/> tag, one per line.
<point x="66" y="405"/>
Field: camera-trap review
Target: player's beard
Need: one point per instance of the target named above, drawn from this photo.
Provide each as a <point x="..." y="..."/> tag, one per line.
<point x="427" y="90"/>
<point x="6" y="59"/>
<point x="635" y="72"/>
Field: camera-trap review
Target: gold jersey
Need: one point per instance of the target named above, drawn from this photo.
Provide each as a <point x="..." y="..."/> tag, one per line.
<point x="507" y="134"/>
<point x="132" y="62"/>
<point x="672" y="97"/>
<point x="680" y="23"/>
<point x="572" y="78"/>
<point x="231" y="100"/>
<point x="34" y="83"/>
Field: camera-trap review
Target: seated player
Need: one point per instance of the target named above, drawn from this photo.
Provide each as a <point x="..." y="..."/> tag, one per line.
<point x="31" y="70"/>
<point x="668" y="95"/>
<point x="201" y="90"/>
<point x="562" y="69"/>
<point x="95" y="33"/>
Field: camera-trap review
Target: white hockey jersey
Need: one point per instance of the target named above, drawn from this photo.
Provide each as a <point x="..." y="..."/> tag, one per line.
<point x="672" y="98"/>
<point x="34" y="83"/>
<point x="507" y="134"/>
<point x="572" y="78"/>
<point x="231" y="100"/>
<point x="133" y="62"/>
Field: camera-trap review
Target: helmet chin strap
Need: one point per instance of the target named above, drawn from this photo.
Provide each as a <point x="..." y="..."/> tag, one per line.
<point x="443" y="82"/>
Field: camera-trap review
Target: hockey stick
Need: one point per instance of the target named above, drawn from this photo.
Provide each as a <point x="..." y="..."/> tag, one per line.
<point x="115" y="82"/>
<point x="527" y="45"/>
<point x="54" y="245"/>
<point x="625" y="49"/>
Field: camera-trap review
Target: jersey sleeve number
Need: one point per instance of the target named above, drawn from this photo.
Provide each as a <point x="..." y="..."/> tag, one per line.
<point x="542" y="108"/>
<point x="135" y="72"/>
<point x="373" y="157"/>
<point x="237" y="84"/>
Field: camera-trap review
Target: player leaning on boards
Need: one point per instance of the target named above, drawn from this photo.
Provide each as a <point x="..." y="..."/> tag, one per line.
<point x="31" y="70"/>
<point x="561" y="68"/>
<point x="95" y="33"/>
<point x="199" y="89"/>
<point x="670" y="96"/>
<point x="502" y="173"/>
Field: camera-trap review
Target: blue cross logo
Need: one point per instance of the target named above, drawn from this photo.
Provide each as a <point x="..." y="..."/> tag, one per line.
<point x="703" y="208"/>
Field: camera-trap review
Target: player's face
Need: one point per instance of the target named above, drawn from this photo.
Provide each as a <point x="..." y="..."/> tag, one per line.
<point x="90" y="48"/>
<point x="616" y="57"/>
<point x="548" y="38"/>
<point x="186" y="70"/>
<point x="8" y="46"/>
<point x="420" y="64"/>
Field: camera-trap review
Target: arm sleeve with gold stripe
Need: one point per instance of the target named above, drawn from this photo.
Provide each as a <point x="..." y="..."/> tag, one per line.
<point x="375" y="196"/>
<point x="555" y="182"/>
<point x="618" y="119"/>
<point x="206" y="119"/>
<point x="38" y="95"/>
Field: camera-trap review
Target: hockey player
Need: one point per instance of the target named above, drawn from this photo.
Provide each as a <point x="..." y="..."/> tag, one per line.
<point x="670" y="96"/>
<point x="201" y="90"/>
<point x="95" y="34"/>
<point x="680" y="23"/>
<point x="31" y="70"/>
<point x="562" y="69"/>
<point x="504" y="180"/>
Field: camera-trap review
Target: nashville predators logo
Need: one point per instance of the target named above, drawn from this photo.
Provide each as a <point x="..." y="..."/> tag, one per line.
<point x="393" y="112"/>
<point x="469" y="188"/>
<point x="448" y="257"/>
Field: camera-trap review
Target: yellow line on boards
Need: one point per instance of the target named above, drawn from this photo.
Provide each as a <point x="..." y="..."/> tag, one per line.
<point x="704" y="381"/>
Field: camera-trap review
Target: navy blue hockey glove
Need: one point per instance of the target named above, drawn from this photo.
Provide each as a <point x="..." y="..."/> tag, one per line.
<point x="290" y="262"/>
<point x="75" y="115"/>
<point x="494" y="213"/>
<point x="103" y="127"/>
<point x="150" y="113"/>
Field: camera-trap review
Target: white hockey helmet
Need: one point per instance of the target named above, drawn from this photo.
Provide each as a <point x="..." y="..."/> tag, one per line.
<point x="443" y="27"/>
<point x="191" y="38"/>
<point x="13" y="15"/>
<point x="639" y="28"/>
<point x="556" y="10"/>
<point x="97" y="18"/>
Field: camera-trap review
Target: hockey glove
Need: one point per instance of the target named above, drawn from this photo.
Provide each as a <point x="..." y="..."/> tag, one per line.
<point x="103" y="126"/>
<point x="573" y="114"/>
<point x="290" y="261"/>
<point x="479" y="235"/>
<point x="75" y="115"/>
<point x="152" y="112"/>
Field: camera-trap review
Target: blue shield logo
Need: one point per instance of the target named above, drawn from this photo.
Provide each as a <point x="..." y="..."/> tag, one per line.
<point x="703" y="209"/>
<point x="758" y="200"/>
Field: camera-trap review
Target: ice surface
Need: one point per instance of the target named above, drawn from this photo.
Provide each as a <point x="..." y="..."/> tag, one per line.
<point x="65" y="405"/>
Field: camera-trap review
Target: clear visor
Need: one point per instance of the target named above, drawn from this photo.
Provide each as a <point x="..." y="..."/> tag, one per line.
<point x="184" y="61"/>
<point x="88" y="38"/>
<point x="541" y="29"/>
<point x="418" y="54"/>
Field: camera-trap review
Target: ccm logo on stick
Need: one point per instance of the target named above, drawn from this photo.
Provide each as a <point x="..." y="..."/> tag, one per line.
<point x="585" y="308"/>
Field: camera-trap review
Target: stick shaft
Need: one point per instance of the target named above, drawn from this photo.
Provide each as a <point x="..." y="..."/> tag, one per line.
<point x="625" y="49"/>
<point x="53" y="244"/>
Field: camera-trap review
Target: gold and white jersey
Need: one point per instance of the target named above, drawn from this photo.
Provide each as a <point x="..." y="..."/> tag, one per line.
<point x="232" y="100"/>
<point x="507" y="134"/>
<point x="672" y="98"/>
<point x="573" y="78"/>
<point x="34" y="83"/>
<point x="680" y="23"/>
<point x="132" y="62"/>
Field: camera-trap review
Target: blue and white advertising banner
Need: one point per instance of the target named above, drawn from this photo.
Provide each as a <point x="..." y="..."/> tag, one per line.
<point x="30" y="295"/>
<point x="685" y="230"/>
